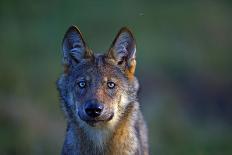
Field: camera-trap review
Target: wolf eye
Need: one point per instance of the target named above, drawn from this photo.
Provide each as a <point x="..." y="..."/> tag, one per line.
<point x="82" y="84"/>
<point x="111" y="85"/>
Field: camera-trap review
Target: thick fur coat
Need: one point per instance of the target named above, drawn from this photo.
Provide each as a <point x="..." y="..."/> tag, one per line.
<point x="99" y="98"/>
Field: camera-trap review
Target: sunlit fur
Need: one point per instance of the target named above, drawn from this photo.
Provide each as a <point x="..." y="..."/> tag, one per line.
<point x="123" y="134"/>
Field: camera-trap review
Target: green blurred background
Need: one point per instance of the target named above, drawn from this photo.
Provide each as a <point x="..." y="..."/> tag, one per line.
<point x="184" y="51"/>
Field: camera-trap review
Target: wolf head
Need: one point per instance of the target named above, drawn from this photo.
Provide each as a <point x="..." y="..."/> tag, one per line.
<point x="96" y="89"/>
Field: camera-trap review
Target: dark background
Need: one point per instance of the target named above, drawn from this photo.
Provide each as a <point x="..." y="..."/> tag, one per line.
<point x="184" y="66"/>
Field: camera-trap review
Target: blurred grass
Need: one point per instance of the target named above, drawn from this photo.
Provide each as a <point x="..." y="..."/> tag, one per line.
<point x="184" y="67"/>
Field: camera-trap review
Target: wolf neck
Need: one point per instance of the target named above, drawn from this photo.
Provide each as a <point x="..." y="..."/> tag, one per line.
<point x="122" y="138"/>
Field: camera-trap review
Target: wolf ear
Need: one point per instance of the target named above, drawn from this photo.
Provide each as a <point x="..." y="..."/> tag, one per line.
<point x="123" y="50"/>
<point x="74" y="47"/>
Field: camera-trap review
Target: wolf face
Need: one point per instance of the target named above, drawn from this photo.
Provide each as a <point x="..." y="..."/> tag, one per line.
<point x="95" y="89"/>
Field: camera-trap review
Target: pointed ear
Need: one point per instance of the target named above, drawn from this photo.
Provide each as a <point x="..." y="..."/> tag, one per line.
<point x="123" y="50"/>
<point x="74" y="47"/>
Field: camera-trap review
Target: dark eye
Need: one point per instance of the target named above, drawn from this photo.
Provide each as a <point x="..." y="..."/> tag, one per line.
<point x="82" y="84"/>
<point x="111" y="85"/>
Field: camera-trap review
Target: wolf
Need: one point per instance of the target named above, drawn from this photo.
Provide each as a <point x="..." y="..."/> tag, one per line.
<point x="99" y="98"/>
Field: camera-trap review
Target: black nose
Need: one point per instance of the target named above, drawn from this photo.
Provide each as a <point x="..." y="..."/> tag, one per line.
<point x="93" y="109"/>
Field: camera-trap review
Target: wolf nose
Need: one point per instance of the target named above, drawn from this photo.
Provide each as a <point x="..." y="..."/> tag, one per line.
<point x="93" y="109"/>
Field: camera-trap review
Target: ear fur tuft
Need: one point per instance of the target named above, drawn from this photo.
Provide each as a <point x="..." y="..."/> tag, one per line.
<point x="74" y="47"/>
<point x="123" y="50"/>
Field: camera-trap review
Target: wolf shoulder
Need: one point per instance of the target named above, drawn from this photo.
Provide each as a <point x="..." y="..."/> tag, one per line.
<point x="142" y="134"/>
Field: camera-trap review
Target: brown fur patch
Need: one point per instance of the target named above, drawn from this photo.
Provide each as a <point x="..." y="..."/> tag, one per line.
<point x="123" y="140"/>
<point x="66" y="69"/>
<point x="131" y="69"/>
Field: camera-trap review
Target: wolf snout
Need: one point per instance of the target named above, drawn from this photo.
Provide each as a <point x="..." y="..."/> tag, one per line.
<point x="93" y="109"/>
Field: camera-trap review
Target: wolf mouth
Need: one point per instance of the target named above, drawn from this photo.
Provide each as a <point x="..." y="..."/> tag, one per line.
<point x="94" y="122"/>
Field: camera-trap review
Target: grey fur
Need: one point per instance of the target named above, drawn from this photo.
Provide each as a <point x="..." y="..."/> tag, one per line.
<point x="82" y="137"/>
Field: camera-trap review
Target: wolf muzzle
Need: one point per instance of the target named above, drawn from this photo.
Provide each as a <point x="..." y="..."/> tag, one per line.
<point x="93" y="111"/>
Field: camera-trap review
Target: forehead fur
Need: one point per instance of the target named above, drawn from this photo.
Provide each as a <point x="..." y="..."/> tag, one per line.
<point x="99" y="64"/>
